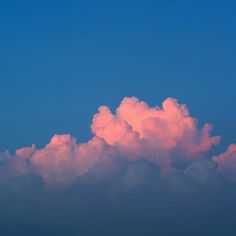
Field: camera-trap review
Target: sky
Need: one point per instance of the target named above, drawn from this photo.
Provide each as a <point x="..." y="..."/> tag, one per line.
<point x="98" y="88"/>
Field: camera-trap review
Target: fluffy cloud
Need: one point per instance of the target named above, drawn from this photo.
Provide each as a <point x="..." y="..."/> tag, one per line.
<point x="227" y="162"/>
<point x="63" y="160"/>
<point x="158" y="134"/>
<point x="162" y="135"/>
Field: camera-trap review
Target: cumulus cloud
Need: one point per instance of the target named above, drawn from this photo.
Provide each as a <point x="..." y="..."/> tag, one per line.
<point x="227" y="162"/>
<point x="164" y="135"/>
<point x="141" y="168"/>
<point x="63" y="160"/>
<point x="158" y="134"/>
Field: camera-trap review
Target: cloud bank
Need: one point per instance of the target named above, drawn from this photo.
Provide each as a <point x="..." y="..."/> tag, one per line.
<point x="146" y="171"/>
<point x="167" y="136"/>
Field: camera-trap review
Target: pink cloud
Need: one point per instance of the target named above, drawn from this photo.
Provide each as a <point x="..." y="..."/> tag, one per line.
<point x="227" y="162"/>
<point x="26" y="152"/>
<point x="63" y="160"/>
<point x="135" y="131"/>
<point x="158" y="133"/>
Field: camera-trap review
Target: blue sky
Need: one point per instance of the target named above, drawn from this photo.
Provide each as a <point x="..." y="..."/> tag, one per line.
<point x="60" y="60"/>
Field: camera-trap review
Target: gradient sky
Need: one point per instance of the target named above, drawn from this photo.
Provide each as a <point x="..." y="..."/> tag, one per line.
<point x="143" y="170"/>
<point x="60" y="60"/>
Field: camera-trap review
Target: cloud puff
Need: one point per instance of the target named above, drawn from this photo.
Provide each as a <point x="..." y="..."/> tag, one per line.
<point x="163" y="135"/>
<point x="227" y="162"/>
<point x="63" y="160"/>
<point x="159" y="134"/>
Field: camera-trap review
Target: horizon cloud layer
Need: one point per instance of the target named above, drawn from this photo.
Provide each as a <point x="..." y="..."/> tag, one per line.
<point x="166" y="136"/>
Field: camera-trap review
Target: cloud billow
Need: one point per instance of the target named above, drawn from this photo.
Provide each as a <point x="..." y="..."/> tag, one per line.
<point x="166" y="136"/>
<point x="145" y="171"/>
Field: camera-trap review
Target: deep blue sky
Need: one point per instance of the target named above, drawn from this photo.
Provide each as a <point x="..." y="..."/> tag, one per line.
<point x="60" y="60"/>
